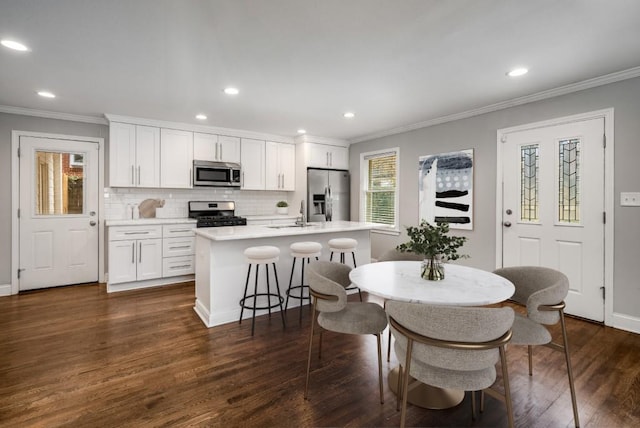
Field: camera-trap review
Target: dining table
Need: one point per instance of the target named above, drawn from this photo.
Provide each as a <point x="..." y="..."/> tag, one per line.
<point x="461" y="286"/>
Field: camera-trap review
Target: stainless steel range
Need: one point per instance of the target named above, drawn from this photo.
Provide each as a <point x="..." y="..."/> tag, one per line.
<point x="215" y="214"/>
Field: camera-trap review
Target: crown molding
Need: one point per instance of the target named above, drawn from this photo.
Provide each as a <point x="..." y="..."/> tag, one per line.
<point x="551" y="93"/>
<point x="53" y="115"/>
<point x="199" y="128"/>
<point x="321" y="140"/>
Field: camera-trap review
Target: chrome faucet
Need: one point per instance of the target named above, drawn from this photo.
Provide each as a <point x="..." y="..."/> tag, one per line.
<point x="302" y="220"/>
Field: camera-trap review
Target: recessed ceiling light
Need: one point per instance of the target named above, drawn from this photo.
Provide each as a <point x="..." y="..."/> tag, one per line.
<point x="46" y="94"/>
<point x="302" y="131"/>
<point x="517" y="72"/>
<point x="201" y="116"/>
<point x="12" y="44"/>
<point x="231" y="91"/>
<point x="349" y="115"/>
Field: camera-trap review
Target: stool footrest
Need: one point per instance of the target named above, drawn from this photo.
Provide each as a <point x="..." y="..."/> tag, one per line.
<point x="300" y="296"/>
<point x="280" y="300"/>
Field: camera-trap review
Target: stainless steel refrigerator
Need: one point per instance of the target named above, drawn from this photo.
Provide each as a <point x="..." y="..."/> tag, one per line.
<point x="327" y="195"/>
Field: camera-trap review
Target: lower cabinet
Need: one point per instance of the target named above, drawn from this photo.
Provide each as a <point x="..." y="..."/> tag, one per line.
<point x="144" y="255"/>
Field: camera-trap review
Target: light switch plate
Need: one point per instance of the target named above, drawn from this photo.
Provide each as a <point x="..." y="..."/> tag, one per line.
<point x="630" y="199"/>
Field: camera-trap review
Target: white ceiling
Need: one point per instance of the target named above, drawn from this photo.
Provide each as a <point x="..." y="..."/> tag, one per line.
<point x="303" y="63"/>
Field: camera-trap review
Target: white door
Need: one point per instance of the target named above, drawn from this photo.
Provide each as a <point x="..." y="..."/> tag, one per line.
<point x="553" y="207"/>
<point x="58" y="212"/>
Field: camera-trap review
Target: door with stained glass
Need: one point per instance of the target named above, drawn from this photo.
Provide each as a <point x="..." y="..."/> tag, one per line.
<point x="553" y="207"/>
<point x="58" y="212"/>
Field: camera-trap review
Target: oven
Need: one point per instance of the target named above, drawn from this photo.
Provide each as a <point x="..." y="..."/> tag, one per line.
<point x="215" y="214"/>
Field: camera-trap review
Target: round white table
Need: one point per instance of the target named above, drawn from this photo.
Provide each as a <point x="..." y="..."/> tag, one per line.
<point x="461" y="286"/>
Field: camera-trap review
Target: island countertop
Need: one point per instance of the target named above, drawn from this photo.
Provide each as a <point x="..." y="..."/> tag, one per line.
<point x="232" y="233"/>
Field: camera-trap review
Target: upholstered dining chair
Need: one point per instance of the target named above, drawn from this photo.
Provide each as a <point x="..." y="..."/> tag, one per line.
<point x="451" y="347"/>
<point x="327" y="284"/>
<point x="394" y="255"/>
<point x="542" y="290"/>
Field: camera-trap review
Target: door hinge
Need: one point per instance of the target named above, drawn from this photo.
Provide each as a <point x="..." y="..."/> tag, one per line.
<point x="603" y="292"/>
<point x="604" y="217"/>
<point x="19" y="270"/>
<point x="18" y="151"/>
<point x="18" y="212"/>
<point x="604" y="141"/>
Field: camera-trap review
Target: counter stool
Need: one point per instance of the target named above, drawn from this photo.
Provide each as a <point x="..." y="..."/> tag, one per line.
<point x="302" y="250"/>
<point x="261" y="256"/>
<point x="342" y="246"/>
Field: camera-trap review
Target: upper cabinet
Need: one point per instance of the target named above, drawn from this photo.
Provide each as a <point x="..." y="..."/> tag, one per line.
<point x="216" y="148"/>
<point x="280" y="166"/>
<point x="176" y="158"/>
<point x="327" y="156"/>
<point x="253" y="164"/>
<point x="134" y="155"/>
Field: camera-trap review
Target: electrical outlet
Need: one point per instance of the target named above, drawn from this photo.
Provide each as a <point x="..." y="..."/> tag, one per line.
<point x="630" y="199"/>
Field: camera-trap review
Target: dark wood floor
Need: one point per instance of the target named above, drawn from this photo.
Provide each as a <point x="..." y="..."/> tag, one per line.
<point x="77" y="356"/>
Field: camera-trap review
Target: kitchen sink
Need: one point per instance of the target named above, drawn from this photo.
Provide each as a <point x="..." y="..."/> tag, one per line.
<point x="285" y="226"/>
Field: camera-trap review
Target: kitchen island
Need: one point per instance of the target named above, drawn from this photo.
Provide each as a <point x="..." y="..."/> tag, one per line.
<point x="221" y="268"/>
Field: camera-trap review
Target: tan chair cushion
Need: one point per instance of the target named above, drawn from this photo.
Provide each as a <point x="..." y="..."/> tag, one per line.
<point x="355" y="318"/>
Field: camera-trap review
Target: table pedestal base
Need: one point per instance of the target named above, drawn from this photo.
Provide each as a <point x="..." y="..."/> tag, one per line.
<point x="427" y="396"/>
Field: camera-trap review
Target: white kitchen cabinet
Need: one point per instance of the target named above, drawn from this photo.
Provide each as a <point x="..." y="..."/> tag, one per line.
<point x="134" y="155"/>
<point x="216" y="148"/>
<point x="327" y="156"/>
<point x="135" y="253"/>
<point x="280" y="166"/>
<point x="176" y="158"/>
<point x="178" y="250"/>
<point x="252" y="154"/>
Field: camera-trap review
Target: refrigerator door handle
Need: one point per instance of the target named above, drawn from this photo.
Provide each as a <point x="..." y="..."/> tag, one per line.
<point x="329" y="205"/>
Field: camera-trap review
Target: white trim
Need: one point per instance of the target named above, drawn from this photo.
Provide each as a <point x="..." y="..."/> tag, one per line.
<point x="5" y="290"/>
<point x="149" y="283"/>
<point x="562" y="90"/>
<point x="363" y="179"/>
<point x="53" y="115"/>
<point x="609" y="194"/>
<point x="626" y="322"/>
<point x="15" y="198"/>
<point x="199" y="128"/>
<point x="321" y="140"/>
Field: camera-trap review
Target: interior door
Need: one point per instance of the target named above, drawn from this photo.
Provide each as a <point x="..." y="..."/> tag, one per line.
<point x="58" y="212"/>
<point x="553" y="207"/>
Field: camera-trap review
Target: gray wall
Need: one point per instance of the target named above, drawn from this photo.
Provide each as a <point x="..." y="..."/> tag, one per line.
<point x="12" y="122"/>
<point x="479" y="133"/>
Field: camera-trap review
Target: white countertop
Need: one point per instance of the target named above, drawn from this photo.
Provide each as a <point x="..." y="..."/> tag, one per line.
<point x="230" y="233"/>
<point x="461" y="286"/>
<point x="271" y="217"/>
<point x="149" y="221"/>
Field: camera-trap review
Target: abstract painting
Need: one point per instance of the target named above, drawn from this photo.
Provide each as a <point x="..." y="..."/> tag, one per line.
<point x="446" y="189"/>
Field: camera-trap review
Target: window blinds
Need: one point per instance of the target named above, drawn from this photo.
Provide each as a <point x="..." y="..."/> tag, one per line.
<point x="380" y="194"/>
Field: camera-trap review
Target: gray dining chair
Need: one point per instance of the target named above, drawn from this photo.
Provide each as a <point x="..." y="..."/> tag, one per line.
<point x="327" y="284"/>
<point x="542" y="291"/>
<point x="394" y="255"/>
<point x="451" y="347"/>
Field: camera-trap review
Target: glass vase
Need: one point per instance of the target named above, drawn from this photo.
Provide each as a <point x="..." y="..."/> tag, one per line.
<point x="432" y="269"/>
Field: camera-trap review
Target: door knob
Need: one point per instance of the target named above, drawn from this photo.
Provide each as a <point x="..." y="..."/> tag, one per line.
<point x="507" y="224"/>
<point x="92" y="223"/>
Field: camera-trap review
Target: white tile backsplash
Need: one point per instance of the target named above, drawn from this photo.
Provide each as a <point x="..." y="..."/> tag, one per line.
<point x="248" y="202"/>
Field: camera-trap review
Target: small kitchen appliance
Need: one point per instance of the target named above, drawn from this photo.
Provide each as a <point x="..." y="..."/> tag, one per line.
<point x="215" y="214"/>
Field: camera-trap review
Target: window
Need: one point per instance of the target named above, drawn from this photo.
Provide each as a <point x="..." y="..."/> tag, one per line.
<point x="379" y="184"/>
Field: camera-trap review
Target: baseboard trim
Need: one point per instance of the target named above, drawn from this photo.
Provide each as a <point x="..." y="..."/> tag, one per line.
<point x="5" y="290"/>
<point x="136" y="285"/>
<point x="626" y="322"/>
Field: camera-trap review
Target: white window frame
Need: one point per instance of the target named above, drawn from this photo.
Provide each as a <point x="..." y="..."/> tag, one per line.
<point x="364" y="180"/>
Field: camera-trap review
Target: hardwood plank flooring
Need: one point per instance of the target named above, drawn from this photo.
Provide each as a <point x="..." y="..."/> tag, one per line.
<point x="77" y="356"/>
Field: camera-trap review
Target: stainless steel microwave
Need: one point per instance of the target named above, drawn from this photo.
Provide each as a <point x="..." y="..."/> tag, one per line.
<point x="216" y="174"/>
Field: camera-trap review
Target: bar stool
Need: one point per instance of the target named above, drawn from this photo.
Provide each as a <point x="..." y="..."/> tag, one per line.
<point x="342" y="246"/>
<point x="262" y="255"/>
<point x="302" y="250"/>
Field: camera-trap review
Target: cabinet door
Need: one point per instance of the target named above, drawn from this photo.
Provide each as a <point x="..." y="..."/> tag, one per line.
<point x="122" y="261"/>
<point x="338" y="157"/>
<point x="229" y="149"/>
<point x="253" y="161"/>
<point x="176" y="158"/>
<point x="205" y="147"/>
<point x="149" y="258"/>
<point x="122" y="154"/>
<point x="288" y="166"/>
<point x="318" y="156"/>
<point x="147" y="156"/>
<point x="271" y="167"/>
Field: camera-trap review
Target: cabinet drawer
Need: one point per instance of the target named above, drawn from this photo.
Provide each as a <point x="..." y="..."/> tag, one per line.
<point x="174" y="266"/>
<point x="178" y="246"/>
<point x="169" y="230"/>
<point x="119" y="233"/>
